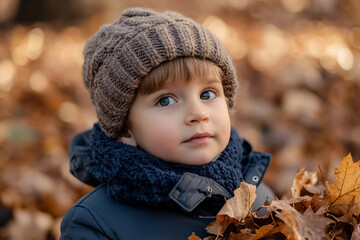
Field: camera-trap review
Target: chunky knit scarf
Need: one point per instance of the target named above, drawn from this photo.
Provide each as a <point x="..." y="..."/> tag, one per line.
<point x="136" y="177"/>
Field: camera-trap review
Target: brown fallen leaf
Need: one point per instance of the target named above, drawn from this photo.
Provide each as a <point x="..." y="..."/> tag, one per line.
<point x="305" y="181"/>
<point x="235" y="209"/>
<point x="288" y="215"/>
<point x="306" y="216"/>
<point x="210" y="238"/>
<point x="312" y="226"/>
<point x="319" y="205"/>
<point x="346" y="189"/>
<point x="241" y="236"/>
<point x="265" y="231"/>
<point x="356" y="233"/>
<point x="194" y="237"/>
<point x="339" y="230"/>
<point x="350" y="216"/>
<point x="303" y="226"/>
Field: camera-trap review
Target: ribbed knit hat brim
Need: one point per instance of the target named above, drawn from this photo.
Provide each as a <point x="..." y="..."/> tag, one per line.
<point x="120" y="54"/>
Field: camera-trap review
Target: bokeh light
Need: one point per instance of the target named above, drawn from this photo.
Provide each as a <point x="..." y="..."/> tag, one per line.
<point x="7" y="73"/>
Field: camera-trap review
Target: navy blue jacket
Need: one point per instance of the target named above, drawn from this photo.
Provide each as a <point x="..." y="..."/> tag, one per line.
<point x="98" y="216"/>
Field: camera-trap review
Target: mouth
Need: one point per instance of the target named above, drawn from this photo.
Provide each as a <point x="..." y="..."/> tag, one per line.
<point x="199" y="138"/>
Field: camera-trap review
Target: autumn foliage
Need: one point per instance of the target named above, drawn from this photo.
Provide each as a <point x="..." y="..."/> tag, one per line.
<point x="316" y="210"/>
<point x="298" y="98"/>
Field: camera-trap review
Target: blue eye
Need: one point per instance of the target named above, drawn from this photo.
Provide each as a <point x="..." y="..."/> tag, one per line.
<point x="207" y="95"/>
<point x="165" y="101"/>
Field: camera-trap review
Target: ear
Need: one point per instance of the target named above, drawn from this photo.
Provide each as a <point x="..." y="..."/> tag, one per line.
<point x="129" y="139"/>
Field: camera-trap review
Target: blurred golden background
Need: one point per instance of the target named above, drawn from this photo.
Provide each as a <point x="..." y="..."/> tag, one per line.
<point x="298" y="65"/>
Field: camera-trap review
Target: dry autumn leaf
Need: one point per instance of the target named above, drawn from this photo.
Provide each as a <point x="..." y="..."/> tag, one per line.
<point x="312" y="226"/>
<point x="346" y="190"/>
<point x="288" y="215"/>
<point x="306" y="216"/>
<point x="235" y="209"/>
<point x="193" y="237"/>
<point x="319" y="205"/>
<point x="303" y="226"/>
<point x="305" y="181"/>
<point x="265" y="231"/>
<point x="356" y="233"/>
<point x="241" y="236"/>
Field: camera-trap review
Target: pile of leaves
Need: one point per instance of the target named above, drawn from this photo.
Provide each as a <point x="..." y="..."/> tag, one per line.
<point x="317" y="210"/>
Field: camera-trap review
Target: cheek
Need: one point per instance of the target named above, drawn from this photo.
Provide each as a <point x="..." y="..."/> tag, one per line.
<point x="224" y="125"/>
<point x="225" y="131"/>
<point x="159" y="133"/>
<point x="222" y="115"/>
<point x="156" y="136"/>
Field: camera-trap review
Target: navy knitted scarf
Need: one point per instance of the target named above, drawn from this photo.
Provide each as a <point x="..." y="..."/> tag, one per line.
<point x="137" y="177"/>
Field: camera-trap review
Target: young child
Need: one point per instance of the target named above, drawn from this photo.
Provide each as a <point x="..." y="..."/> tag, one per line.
<point x="163" y="152"/>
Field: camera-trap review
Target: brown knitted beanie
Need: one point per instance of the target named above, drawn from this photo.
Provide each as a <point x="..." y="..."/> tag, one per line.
<point x="120" y="54"/>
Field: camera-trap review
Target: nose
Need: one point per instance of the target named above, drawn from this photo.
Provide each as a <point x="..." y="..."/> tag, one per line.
<point x="196" y="112"/>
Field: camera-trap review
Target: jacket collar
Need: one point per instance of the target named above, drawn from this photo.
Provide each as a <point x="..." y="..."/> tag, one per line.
<point x="192" y="189"/>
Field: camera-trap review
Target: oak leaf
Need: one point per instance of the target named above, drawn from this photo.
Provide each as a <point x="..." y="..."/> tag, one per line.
<point x="346" y="190"/>
<point x="235" y="209"/>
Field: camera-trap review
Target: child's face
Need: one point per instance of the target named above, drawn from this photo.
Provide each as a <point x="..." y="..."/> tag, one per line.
<point x="186" y="123"/>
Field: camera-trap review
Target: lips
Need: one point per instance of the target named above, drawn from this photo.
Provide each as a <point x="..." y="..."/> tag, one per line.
<point x="199" y="138"/>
